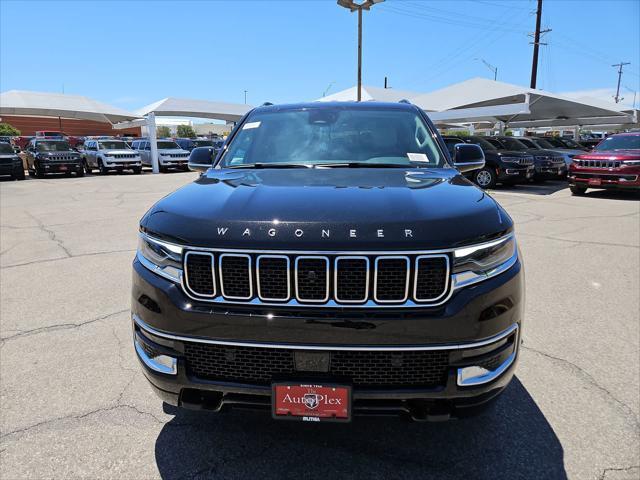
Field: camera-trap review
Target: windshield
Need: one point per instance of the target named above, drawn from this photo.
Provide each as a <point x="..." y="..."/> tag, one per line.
<point x="542" y="143"/>
<point x="483" y="143"/>
<point x="202" y="143"/>
<point x="168" y="145"/>
<point x="619" y="142"/>
<point x="332" y="136"/>
<point x="6" y="148"/>
<point x="513" y="144"/>
<point x="52" y="146"/>
<point x="570" y="143"/>
<point x="113" y="145"/>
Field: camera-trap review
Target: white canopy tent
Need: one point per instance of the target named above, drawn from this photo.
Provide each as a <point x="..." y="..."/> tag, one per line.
<point x="377" y="94"/>
<point x="183" y="107"/>
<point x="516" y="106"/>
<point x="42" y="104"/>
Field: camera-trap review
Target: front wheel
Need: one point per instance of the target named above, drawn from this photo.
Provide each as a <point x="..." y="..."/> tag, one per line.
<point x="80" y="172"/>
<point x="137" y="170"/>
<point x="19" y="174"/>
<point x="577" y="190"/>
<point x="87" y="168"/>
<point x="102" y="168"/>
<point x="485" y="178"/>
<point x="39" y="173"/>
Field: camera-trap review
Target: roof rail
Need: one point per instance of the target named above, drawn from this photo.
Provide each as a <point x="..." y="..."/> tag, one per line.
<point x="266" y="104"/>
<point x="404" y="100"/>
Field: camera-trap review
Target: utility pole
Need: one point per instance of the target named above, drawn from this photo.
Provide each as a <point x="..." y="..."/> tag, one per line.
<point x="385" y="82"/>
<point x="490" y="67"/>
<point x="619" y="65"/>
<point x="536" y="45"/>
<point x="245" y="97"/>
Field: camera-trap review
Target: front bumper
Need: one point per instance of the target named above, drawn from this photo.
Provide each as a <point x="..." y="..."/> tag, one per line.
<point x="514" y="173"/>
<point x="551" y="171"/>
<point x="611" y="178"/>
<point x="10" y="168"/>
<point x="479" y="325"/>
<point x="123" y="164"/>
<point x="61" y="167"/>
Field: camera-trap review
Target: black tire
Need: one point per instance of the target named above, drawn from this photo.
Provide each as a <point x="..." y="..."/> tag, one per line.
<point x="88" y="170"/>
<point x="137" y="170"/>
<point x="163" y="169"/>
<point x="19" y="174"/>
<point x="102" y="168"/>
<point x="32" y="173"/>
<point x="577" y="190"/>
<point x="38" y="173"/>
<point x="80" y="172"/>
<point x="485" y="178"/>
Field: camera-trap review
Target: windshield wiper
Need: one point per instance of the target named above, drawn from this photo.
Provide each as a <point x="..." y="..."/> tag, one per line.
<point x="361" y="165"/>
<point x="270" y="165"/>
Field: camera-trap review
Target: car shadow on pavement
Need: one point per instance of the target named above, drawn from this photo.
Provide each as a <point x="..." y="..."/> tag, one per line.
<point x="543" y="188"/>
<point x="510" y="440"/>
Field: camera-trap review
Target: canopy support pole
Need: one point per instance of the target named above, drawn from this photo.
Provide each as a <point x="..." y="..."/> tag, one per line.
<point x="153" y="140"/>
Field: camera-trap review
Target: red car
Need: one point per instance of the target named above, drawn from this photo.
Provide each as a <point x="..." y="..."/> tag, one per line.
<point x="613" y="164"/>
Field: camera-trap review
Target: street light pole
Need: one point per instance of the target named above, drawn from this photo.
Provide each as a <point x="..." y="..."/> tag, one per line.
<point x="360" y="54"/>
<point x="359" y="5"/>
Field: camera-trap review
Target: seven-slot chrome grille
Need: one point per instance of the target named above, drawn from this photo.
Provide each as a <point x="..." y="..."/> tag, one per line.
<point x="298" y="278"/>
<point x="599" y="163"/>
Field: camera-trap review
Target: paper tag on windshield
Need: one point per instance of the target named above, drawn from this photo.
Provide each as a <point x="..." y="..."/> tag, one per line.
<point x="418" y="157"/>
<point x="250" y="125"/>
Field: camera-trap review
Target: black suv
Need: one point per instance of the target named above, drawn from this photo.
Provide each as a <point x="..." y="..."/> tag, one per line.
<point x="332" y="262"/>
<point x="52" y="156"/>
<point x="191" y="143"/>
<point x="501" y="166"/>
<point x="10" y="162"/>
<point x="549" y="165"/>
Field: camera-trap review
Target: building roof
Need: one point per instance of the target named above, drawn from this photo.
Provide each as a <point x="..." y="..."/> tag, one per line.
<point x="44" y="104"/>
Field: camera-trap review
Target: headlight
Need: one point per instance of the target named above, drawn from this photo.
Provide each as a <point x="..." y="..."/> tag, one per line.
<point x="479" y="262"/>
<point x="162" y="258"/>
<point x="631" y="163"/>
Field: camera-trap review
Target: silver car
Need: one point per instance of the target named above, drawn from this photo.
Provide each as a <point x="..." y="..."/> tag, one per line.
<point x="110" y="154"/>
<point x="170" y="155"/>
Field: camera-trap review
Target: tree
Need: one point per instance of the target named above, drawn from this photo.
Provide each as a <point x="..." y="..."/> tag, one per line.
<point x="163" y="131"/>
<point x="9" y="130"/>
<point x="186" y="131"/>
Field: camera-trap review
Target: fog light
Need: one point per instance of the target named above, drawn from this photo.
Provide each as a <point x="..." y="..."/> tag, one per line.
<point x="476" y="375"/>
<point x="156" y="361"/>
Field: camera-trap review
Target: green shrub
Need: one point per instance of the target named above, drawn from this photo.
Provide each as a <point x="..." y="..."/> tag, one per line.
<point x="6" y="129"/>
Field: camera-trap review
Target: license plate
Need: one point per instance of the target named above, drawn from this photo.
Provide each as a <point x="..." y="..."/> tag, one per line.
<point x="311" y="402"/>
<point x="63" y="168"/>
<point x="595" y="181"/>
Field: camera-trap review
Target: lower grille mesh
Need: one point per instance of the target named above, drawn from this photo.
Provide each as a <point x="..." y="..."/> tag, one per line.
<point x="365" y="369"/>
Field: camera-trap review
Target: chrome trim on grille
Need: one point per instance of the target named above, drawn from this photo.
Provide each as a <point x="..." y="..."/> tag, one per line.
<point x="335" y="278"/>
<point x="260" y="257"/>
<point x="375" y="278"/>
<point x="317" y="257"/>
<point x="354" y="348"/>
<point x="242" y="255"/>
<point x="447" y="277"/>
<point x="185" y="275"/>
<point x="487" y="377"/>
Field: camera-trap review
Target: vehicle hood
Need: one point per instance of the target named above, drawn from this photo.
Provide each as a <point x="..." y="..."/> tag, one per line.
<point x="122" y="151"/>
<point x="328" y="209"/>
<point x="163" y="151"/>
<point x="610" y="155"/>
<point x="512" y="153"/>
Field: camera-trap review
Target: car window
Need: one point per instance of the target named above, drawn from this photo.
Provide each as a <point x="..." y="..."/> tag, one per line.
<point x="528" y="143"/>
<point x="619" y="142"/>
<point x="113" y="145"/>
<point x="53" y="146"/>
<point x="484" y="144"/>
<point x="167" y="145"/>
<point x="513" y="144"/>
<point x="334" y="135"/>
<point x="6" y="148"/>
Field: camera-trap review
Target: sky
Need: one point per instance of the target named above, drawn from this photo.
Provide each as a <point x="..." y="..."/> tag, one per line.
<point x="132" y="53"/>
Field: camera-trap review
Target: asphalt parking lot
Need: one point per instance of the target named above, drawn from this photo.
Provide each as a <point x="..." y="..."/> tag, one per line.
<point x="75" y="405"/>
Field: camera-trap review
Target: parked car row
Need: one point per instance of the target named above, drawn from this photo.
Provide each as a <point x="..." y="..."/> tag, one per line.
<point x="509" y="161"/>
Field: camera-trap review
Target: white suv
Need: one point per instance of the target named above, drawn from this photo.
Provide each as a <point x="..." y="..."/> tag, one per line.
<point x="170" y="155"/>
<point x="110" y="154"/>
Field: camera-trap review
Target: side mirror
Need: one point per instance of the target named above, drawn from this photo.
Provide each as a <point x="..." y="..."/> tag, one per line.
<point x="201" y="159"/>
<point x="468" y="157"/>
